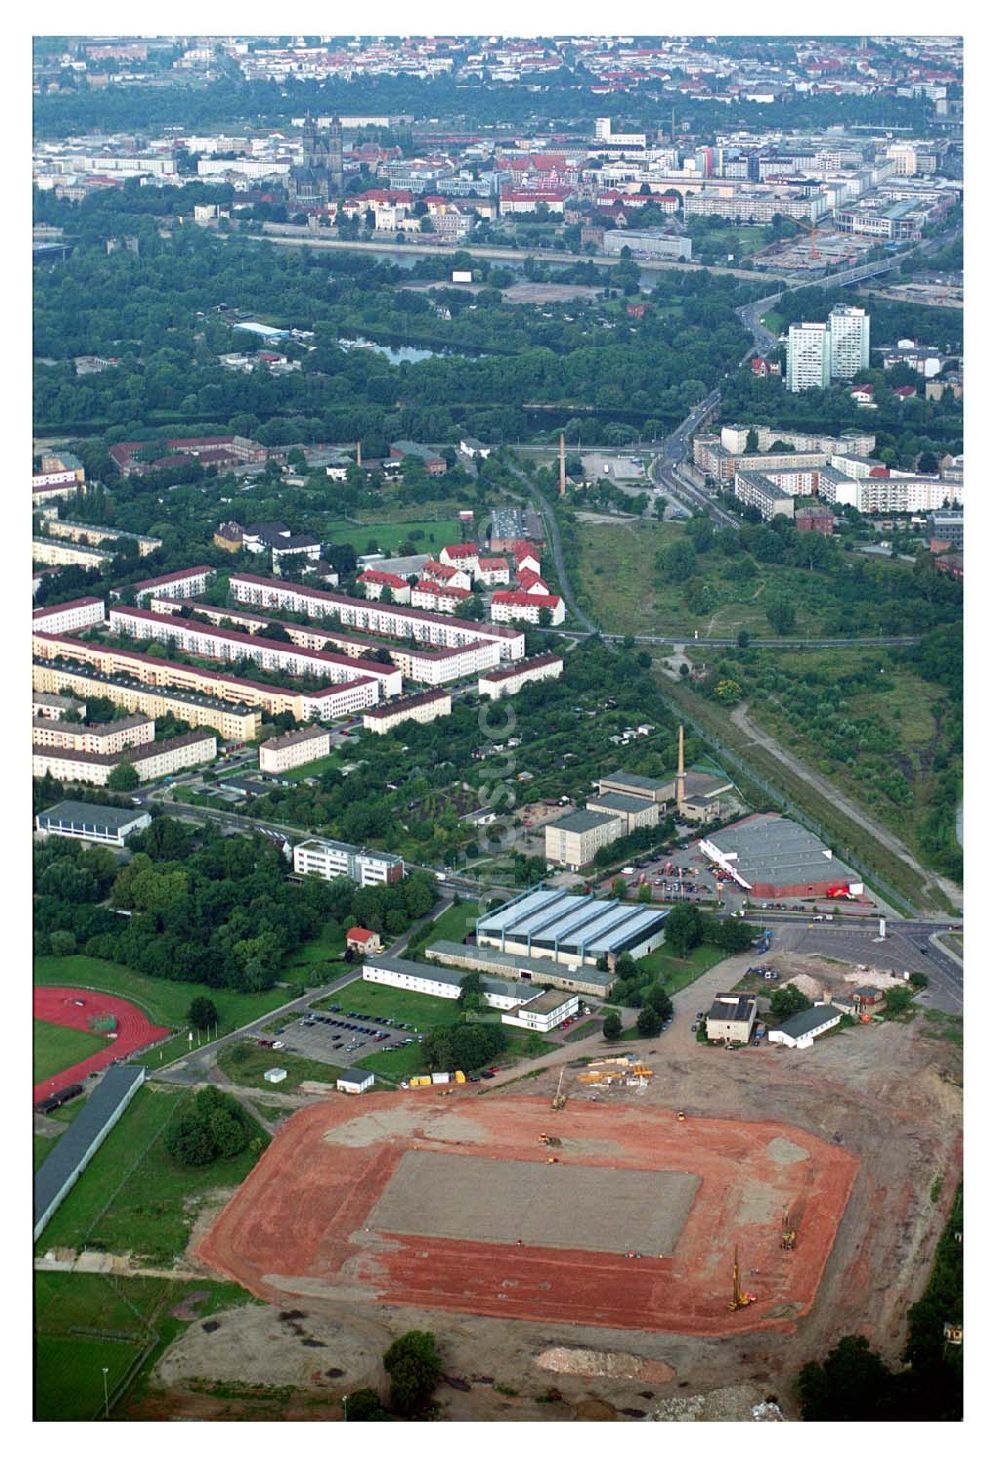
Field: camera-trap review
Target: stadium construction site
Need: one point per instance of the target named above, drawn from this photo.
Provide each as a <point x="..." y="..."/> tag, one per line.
<point x="463" y="1206"/>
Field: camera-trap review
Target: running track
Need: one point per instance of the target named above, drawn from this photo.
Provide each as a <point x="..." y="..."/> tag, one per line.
<point x="56" y="1006"/>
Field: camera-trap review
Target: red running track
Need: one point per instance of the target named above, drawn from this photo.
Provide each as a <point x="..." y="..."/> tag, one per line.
<point x="56" y="1006"/>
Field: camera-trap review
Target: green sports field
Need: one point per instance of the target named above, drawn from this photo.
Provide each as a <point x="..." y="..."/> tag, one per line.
<point x="56" y="1047"/>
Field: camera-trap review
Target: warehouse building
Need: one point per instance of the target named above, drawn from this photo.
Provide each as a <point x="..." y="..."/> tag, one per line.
<point x="799" y="1031"/>
<point x="92" y="824"/>
<point x="657" y="791"/>
<point x="545" y="972"/>
<point x="425" y="978"/>
<point x="771" y="857"/>
<point x="547" y="923"/>
<point x="291" y="750"/>
<point x="575" y="840"/>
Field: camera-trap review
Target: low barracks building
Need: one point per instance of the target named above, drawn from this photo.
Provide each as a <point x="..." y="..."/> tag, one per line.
<point x="291" y="750"/>
<point x="151" y="761"/>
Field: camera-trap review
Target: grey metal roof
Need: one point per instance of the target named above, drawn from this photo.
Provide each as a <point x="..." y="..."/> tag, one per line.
<point x="806" y="1020"/>
<point x="488" y="959"/>
<point x="72" y="812"/>
<point x="417" y="968"/>
<point x="579" y="821"/>
<point x="629" y="804"/>
<point x="733" y="1007"/>
<point x="770" y="849"/>
<point x="356" y="1076"/>
<point x="65" y="1158"/>
<point x="636" y="781"/>
<point x="562" y="919"/>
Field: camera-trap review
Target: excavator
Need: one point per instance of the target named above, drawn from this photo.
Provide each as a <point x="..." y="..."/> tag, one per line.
<point x="787" y="1234"/>
<point x="559" y="1100"/>
<point x="740" y="1298"/>
<point x="549" y="1141"/>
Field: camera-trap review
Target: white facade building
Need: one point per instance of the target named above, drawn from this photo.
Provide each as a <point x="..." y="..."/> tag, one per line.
<point x="849" y="341"/>
<point x="808" y="362"/>
<point x="73" y="615"/>
<point x="330" y="859"/>
<point x="292" y="750"/>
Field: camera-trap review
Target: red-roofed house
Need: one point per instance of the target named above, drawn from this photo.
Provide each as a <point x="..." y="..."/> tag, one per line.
<point x="526" y="556"/>
<point x="376" y="584"/>
<point x="862" y="394"/>
<point x="531" y="583"/>
<point x="905" y="392"/>
<point x="763" y="367"/>
<point x="363" y="940"/>
<point x="514" y="604"/>
<point x="461" y="556"/>
<point x="426" y="595"/>
<point x="447" y="575"/>
<point x="492" y="569"/>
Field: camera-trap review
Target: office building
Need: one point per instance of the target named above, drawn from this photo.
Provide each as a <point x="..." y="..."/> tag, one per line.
<point x="330" y="859"/>
<point x="575" y="840"/>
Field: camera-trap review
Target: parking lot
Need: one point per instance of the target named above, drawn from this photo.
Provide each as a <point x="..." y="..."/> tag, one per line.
<point x="339" y="1038"/>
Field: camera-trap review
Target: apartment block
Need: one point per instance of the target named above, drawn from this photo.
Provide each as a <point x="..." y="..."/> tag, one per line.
<point x="49" y="551"/>
<point x="235" y="722"/>
<point x="808" y="359"/>
<point x="517" y="604"/>
<point x="234" y="645"/>
<point x="73" y="615"/>
<point x="179" y="585"/>
<point x="406" y="624"/>
<point x="326" y="705"/>
<point x="331" y="859"/>
<point x="89" y="533"/>
<point x="151" y="761"/>
<point x="754" y="489"/>
<point x="420" y="707"/>
<point x="102" y="738"/>
<point x="292" y="750"/>
<point x="509" y="680"/>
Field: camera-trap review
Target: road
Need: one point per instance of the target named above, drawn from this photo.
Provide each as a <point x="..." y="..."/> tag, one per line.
<point x="854" y="941"/>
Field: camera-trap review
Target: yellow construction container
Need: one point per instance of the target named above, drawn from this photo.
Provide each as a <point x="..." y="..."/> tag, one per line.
<point x="420" y="1081"/>
<point x="460" y="1077"/>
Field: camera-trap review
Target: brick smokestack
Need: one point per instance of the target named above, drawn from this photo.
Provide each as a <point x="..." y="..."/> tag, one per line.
<point x="679" y="788"/>
<point x="562" y="464"/>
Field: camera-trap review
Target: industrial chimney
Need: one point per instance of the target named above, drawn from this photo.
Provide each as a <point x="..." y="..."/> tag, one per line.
<point x="562" y="464"/>
<point x="679" y="788"/>
<point x="357" y="453"/>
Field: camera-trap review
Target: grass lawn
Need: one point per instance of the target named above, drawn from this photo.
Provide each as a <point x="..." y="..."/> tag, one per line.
<point x="774" y="321"/>
<point x="674" y="973"/>
<point x="245" y="1063"/>
<point x="333" y="761"/>
<point x="323" y="956"/>
<point x="390" y="534"/>
<point x="134" y="1197"/>
<point x="58" y="1046"/>
<point x="453" y="925"/>
<point x="166" y="1001"/>
<point x="87" y="1323"/>
<point x="420" y="1011"/>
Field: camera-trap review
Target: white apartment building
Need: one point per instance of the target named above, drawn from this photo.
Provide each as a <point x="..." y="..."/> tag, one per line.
<point x="179" y="585"/>
<point x="238" y="723"/>
<point x="515" y="604"/>
<point x="420" y="707"/>
<point x="426" y="595"/>
<point x="492" y="569"/>
<point x="54" y="705"/>
<point x="406" y="624"/>
<point x="73" y="615"/>
<point x="151" y="761"/>
<point x="103" y="738"/>
<point x="292" y="750"/>
<point x="234" y="645"/>
<point x="331" y="859"/>
<point x="849" y="341"/>
<point x="808" y="358"/>
<point x="508" y="681"/>
<point x="890" y="494"/>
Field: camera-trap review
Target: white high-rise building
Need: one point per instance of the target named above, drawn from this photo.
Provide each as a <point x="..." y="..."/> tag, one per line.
<point x="808" y="359"/>
<point x="849" y="338"/>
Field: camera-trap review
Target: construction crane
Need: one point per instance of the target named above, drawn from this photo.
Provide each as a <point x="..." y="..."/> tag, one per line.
<point x="787" y="1234"/>
<point x="740" y="1298"/>
<point x="559" y="1100"/>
